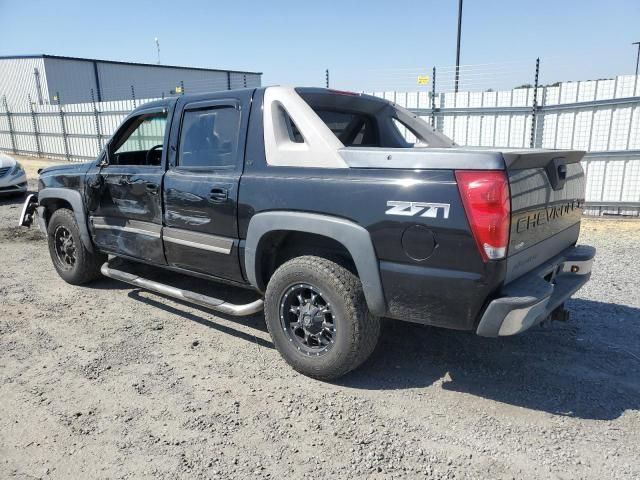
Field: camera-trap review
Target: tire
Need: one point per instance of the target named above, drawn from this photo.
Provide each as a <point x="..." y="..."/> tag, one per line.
<point x="355" y="331"/>
<point x="84" y="266"/>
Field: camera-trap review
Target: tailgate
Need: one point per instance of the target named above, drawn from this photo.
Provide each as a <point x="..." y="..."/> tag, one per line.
<point x="547" y="198"/>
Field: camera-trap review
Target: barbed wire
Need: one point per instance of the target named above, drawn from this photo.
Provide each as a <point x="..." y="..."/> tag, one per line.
<point x="479" y="76"/>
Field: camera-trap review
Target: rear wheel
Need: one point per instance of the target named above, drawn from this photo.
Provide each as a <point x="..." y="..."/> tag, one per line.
<point x="318" y="317"/>
<point x="71" y="259"/>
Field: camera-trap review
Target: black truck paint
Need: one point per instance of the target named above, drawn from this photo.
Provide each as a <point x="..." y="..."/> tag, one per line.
<point x="424" y="269"/>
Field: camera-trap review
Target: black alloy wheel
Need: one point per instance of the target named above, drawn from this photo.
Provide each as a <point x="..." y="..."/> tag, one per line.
<point x="65" y="247"/>
<point x="73" y="261"/>
<point x="307" y="319"/>
<point x="317" y="316"/>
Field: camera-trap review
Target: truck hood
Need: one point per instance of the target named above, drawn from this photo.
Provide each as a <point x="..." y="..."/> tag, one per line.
<point x="67" y="168"/>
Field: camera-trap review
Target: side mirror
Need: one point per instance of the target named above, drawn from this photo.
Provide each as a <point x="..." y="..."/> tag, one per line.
<point x="94" y="190"/>
<point x="104" y="160"/>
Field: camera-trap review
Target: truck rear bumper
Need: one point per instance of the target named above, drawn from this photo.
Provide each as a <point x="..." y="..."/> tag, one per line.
<point x="531" y="298"/>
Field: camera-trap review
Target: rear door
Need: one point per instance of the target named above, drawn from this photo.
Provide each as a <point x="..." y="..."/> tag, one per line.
<point x="547" y="199"/>
<point x="201" y="185"/>
<point x="126" y="214"/>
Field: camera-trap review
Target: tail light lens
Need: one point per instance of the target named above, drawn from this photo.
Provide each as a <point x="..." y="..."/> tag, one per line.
<point x="485" y="195"/>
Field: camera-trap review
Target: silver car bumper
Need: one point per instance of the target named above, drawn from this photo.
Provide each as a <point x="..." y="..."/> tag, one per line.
<point x="531" y="298"/>
<point x="13" y="184"/>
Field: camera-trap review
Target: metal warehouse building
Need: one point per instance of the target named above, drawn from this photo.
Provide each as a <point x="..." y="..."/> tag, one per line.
<point x="45" y="79"/>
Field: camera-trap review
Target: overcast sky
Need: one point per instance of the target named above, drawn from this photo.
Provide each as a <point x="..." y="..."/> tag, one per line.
<point x="365" y="44"/>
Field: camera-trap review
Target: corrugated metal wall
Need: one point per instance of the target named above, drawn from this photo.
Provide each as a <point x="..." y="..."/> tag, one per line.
<point x="18" y="80"/>
<point x="116" y="81"/>
<point x="73" y="80"/>
<point x="242" y="80"/>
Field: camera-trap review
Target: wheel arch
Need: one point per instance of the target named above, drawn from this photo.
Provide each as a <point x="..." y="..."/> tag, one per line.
<point x="53" y="199"/>
<point x="352" y="237"/>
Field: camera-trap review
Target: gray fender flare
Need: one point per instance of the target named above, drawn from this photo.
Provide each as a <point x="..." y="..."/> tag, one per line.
<point x="355" y="239"/>
<point x="74" y="198"/>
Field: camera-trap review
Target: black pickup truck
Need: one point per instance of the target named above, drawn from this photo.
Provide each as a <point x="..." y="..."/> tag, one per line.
<point x="337" y="208"/>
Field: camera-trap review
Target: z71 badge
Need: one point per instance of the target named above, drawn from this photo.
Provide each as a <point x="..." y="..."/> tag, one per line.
<point x="411" y="209"/>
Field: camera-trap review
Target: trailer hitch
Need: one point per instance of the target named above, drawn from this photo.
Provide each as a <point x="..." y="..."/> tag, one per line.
<point x="560" y="314"/>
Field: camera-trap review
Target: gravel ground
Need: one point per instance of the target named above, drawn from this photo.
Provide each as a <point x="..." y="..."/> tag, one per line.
<point x="108" y="381"/>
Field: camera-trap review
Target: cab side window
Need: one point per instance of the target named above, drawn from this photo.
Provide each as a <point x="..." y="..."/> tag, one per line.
<point x="209" y="138"/>
<point x="140" y="142"/>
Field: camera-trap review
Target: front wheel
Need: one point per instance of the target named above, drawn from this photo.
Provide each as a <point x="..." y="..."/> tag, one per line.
<point x="318" y="318"/>
<point x="71" y="259"/>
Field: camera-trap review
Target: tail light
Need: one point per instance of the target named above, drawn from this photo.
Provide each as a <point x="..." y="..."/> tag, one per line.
<point x="485" y="195"/>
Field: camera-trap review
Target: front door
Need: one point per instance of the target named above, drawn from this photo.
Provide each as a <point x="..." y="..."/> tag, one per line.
<point x="201" y="186"/>
<point x="126" y="216"/>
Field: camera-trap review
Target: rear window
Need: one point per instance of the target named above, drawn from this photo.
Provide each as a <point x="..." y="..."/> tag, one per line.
<point x="350" y="128"/>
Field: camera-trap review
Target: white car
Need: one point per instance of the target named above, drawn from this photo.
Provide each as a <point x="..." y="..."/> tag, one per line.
<point x="13" y="179"/>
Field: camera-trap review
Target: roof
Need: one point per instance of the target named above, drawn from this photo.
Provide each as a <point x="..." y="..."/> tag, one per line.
<point x="193" y="97"/>
<point x="80" y="59"/>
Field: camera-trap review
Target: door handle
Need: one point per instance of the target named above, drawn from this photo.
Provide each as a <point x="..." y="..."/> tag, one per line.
<point x="152" y="188"/>
<point x="219" y="195"/>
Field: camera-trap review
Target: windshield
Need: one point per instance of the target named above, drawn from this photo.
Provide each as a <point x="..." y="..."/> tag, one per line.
<point x="366" y="121"/>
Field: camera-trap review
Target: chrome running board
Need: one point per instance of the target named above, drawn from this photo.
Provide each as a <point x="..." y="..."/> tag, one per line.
<point x="184" y="295"/>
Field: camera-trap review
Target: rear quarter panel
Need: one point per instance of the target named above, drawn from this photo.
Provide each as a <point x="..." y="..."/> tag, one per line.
<point x="361" y="196"/>
<point x="446" y="288"/>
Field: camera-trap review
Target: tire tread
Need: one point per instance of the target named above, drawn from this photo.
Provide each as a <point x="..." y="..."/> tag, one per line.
<point x="88" y="263"/>
<point x="348" y="287"/>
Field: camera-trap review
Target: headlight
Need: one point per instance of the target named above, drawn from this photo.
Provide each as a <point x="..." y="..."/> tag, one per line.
<point x="17" y="169"/>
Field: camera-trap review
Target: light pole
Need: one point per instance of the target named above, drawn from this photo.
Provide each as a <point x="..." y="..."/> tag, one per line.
<point x="638" y="57"/>
<point x="158" y="48"/>
<point x="458" y="47"/>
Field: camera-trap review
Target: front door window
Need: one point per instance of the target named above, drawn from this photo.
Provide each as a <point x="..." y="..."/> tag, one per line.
<point x="141" y="141"/>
